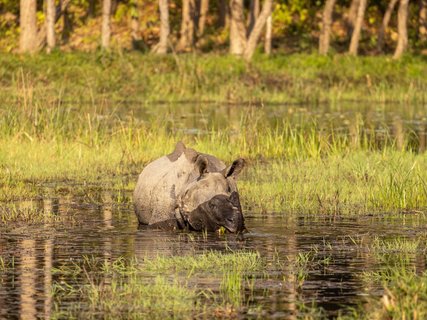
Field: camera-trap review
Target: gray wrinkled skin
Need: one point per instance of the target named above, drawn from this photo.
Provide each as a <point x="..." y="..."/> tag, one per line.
<point x="188" y="189"/>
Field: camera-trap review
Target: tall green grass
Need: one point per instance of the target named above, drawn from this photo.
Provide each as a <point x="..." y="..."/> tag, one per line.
<point x="292" y="78"/>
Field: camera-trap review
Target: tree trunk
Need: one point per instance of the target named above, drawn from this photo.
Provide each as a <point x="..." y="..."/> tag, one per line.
<point x="66" y="26"/>
<point x="50" y="24"/>
<point x="134" y="25"/>
<point x="114" y="6"/>
<point x="422" y="21"/>
<point x="106" y="30"/>
<point x="186" y="40"/>
<point x="162" y="46"/>
<point x="223" y="14"/>
<point x="355" y="37"/>
<point x="91" y="8"/>
<point x="384" y="24"/>
<point x="256" y="32"/>
<point x="325" y="33"/>
<point x="352" y="15"/>
<point x="203" y="8"/>
<point x="42" y="34"/>
<point x="253" y="14"/>
<point x="237" y="28"/>
<point x="402" y="18"/>
<point x="268" y="35"/>
<point x="28" y="26"/>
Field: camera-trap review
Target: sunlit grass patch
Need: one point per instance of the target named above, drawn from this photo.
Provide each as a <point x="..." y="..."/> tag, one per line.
<point x="207" y="262"/>
<point x="130" y="297"/>
<point x="358" y="183"/>
<point x="397" y="245"/>
<point x="11" y="214"/>
<point x="404" y="297"/>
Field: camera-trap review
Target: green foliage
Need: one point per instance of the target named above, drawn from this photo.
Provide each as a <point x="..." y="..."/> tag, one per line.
<point x="295" y="13"/>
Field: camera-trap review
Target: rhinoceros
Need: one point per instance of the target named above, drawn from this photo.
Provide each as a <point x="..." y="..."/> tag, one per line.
<point x="189" y="189"/>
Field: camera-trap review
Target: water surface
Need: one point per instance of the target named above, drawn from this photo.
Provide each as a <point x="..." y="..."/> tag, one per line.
<point x="338" y="247"/>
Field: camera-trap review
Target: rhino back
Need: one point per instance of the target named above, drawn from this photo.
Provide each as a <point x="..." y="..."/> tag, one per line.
<point x="158" y="186"/>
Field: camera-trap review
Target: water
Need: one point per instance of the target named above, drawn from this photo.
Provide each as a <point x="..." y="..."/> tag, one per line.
<point x="110" y="231"/>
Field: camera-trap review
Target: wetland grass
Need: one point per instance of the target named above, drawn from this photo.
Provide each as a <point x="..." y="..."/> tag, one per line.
<point x="12" y="214"/>
<point x="155" y="287"/>
<point x="404" y="296"/>
<point x="300" y="167"/>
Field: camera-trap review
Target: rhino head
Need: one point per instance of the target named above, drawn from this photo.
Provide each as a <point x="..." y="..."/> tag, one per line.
<point x="212" y="201"/>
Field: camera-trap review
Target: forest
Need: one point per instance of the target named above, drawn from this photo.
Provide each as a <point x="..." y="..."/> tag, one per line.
<point x="237" y="26"/>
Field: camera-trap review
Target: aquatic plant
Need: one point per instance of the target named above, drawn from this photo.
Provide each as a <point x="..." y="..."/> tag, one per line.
<point x="154" y="287"/>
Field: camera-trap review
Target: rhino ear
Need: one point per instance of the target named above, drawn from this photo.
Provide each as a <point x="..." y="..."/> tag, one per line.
<point x="202" y="164"/>
<point x="235" y="168"/>
<point x="179" y="149"/>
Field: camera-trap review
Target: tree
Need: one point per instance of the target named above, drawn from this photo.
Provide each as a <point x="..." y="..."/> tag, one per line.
<point x="402" y="40"/>
<point x="325" y="32"/>
<point x="256" y="31"/>
<point x="384" y="24"/>
<point x="237" y="28"/>
<point x="106" y="30"/>
<point x="28" y="25"/>
<point x="162" y="46"/>
<point x="186" y="39"/>
<point x="202" y="12"/>
<point x="268" y="35"/>
<point x="243" y="43"/>
<point x="253" y="14"/>
<point x="50" y="24"/>
<point x="223" y="13"/>
<point x="355" y="37"/>
<point x="422" y="21"/>
<point x="91" y="8"/>
<point x="134" y="24"/>
<point x="352" y="15"/>
<point x="59" y="11"/>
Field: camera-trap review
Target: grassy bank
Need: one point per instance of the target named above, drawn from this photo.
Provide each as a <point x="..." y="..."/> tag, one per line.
<point x="285" y="79"/>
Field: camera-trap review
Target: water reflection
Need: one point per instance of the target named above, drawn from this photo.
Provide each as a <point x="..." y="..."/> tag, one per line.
<point x="27" y="279"/>
<point x="107" y="232"/>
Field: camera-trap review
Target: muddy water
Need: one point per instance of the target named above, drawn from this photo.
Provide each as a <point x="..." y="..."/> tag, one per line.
<point x="338" y="249"/>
